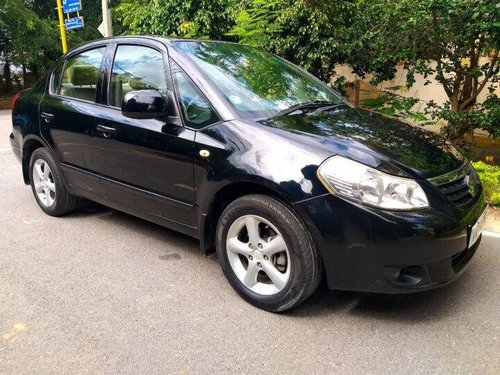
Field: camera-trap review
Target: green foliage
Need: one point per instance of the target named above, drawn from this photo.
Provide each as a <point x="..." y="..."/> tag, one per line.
<point x="490" y="177"/>
<point x="176" y="18"/>
<point x="29" y="33"/>
<point x="25" y="38"/>
<point x="308" y="33"/>
<point x="395" y="105"/>
<point x="256" y="22"/>
<point x="340" y="84"/>
<point x="453" y="42"/>
<point x="417" y="32"/>
<point x="484" y="116"/>
<point x="443" y="40"/>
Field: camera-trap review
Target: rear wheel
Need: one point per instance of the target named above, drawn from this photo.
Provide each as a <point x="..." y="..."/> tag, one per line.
<point x="48" y="185"/>
<point x="267" y="254"/>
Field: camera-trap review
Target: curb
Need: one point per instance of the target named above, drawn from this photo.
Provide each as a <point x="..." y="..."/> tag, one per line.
<point x="491" y="234"/>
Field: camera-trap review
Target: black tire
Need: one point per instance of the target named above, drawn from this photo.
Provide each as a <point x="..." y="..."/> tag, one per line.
<point x="306" y="266"/>
<point x="63" y="202"/>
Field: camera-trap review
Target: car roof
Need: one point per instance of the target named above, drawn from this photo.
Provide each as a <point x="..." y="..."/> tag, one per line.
<point x="167" y="41"/>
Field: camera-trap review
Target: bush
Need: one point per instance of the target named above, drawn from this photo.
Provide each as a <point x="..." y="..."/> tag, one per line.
<point x="484" y="116"/>
<point x="490" y="177"/>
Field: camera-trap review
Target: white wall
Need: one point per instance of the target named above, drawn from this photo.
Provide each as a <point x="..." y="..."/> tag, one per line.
<point x="433" y="91"/>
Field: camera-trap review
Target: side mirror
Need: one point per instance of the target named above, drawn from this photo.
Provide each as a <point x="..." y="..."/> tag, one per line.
<point x="144" y="104"/>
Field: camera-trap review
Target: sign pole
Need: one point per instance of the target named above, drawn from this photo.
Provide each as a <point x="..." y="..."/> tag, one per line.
<point x="106" y="19"/>
<point x="62" y="27"/>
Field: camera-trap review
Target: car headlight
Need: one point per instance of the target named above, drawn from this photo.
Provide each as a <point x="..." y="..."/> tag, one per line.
<point x="356" y="181"/>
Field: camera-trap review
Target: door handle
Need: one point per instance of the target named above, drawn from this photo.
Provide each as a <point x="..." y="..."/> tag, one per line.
<point x="106" y="130"/>
<point x="48" y="117"/>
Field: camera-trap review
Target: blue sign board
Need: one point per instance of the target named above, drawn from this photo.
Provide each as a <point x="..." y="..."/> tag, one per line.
<point x="74" y="23"/>
<point x="70" y="6"/>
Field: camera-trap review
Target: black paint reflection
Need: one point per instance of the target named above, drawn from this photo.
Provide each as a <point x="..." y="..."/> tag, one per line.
<point x="410" y="146"/>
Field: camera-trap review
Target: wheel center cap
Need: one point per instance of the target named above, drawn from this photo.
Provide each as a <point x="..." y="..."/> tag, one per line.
<point x="257" y="255"/>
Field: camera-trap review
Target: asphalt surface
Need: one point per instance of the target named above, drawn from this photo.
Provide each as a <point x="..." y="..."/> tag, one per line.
<point x="99" y="291"/>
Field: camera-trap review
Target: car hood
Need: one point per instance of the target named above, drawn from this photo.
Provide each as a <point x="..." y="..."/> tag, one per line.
<point x="358" y="133"/>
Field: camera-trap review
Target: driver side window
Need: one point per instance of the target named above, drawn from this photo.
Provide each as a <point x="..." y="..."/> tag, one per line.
<point x="196" y="109"/>
<point x="136" y="68"/>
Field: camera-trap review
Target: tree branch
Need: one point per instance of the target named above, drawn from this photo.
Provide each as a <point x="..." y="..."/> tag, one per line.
<point x="440" y="63"/>
<point x="479" y="47"/>
<point x="487" y="76"/>
<point x="444" y="80"/>
<point x="446" y="49"/>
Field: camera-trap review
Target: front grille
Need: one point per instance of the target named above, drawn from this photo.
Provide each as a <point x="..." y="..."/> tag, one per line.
<point x="457" y="191"/>
<point x="458" y="186"/>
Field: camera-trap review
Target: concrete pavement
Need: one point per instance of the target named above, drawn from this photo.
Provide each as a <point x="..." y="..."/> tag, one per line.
<point x="99" y="291"/>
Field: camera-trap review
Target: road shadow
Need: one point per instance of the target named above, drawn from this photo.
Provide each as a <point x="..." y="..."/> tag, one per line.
<point x="146" y="228"/>
<point x="422" y="306"/>
<point x="411" y="308"/>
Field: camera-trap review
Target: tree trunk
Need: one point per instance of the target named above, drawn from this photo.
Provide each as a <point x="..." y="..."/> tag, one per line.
<point x="457" y="133"/>
<point x="454" y="101"/>
<point x="24" y="76"/>
<point x="356" y="94"/>
<point x="6" y="75"/>
<point x="457" y="136"/>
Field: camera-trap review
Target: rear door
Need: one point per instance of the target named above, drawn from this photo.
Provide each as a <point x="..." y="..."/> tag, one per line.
<point x="68" y="115"/>
<point x="146" y="165"/>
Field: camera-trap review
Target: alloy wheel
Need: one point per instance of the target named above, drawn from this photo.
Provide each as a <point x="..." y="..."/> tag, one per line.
<point x="44" y="183"/>
<point x="258" y="255"/>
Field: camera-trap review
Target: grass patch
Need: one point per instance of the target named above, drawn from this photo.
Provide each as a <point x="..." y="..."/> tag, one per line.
<point x="490" y="177"/>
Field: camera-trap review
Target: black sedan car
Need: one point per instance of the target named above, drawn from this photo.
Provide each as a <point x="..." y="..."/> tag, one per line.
<point x="255" y="158"/>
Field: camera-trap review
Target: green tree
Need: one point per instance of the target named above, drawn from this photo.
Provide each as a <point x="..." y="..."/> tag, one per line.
<point x="310" y="33"/>
<point x="454" y="42"/>
<point x="29" y="33"/>
<point x="91" y="13"/>
<point x="25" y="38"/>
<point x="176" y="18"/>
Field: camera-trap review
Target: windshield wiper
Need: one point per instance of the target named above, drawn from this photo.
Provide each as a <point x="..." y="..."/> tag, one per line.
<point x="312" y="104"/>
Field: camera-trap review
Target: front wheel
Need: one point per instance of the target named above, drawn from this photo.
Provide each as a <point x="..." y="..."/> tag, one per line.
<point x="267" y="254"/>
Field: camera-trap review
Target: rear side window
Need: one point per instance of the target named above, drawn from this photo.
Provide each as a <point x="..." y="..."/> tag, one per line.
<point x="55" y="80"/>
<point x="79" y="79"/>
<point x="136" y="68"/>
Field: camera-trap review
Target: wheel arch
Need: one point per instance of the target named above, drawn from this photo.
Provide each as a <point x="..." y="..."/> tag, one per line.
<point x="221" y="199"/>
<point x="30" y="144"/>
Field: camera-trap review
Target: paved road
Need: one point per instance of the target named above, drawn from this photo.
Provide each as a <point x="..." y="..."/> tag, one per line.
<point x="103" y="292"/>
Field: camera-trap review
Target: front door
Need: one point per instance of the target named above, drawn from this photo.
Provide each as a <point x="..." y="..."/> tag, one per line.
<point x="146" y="165"/>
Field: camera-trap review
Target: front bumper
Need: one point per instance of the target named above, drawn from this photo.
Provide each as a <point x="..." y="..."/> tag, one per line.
<point x="367" y="249"/>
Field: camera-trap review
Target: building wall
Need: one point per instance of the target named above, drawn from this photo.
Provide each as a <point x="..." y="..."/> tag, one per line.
<point x="433" y="91"/>
<point x="483" y="143"/>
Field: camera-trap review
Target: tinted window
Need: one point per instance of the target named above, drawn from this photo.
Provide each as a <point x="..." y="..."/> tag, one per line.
<point x="196" y="109"/>
<point x="80" y="75"/>
<point x="55" y="81"/>
<point x="136" y="68"/>
<point x="256" y="83"/>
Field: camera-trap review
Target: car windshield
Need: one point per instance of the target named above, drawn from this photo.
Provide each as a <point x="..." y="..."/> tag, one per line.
<point x="256" y="83"/>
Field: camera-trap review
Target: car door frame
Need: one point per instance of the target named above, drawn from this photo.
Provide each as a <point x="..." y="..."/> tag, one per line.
<point x="175" y="121"/>
<point x="78" y="181"/>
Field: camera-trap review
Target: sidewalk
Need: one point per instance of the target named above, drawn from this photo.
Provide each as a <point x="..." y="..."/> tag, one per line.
<point x="493" y="220"/>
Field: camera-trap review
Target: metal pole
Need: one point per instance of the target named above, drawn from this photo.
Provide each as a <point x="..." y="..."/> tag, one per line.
<point x="106" y="19"/>
<point x="62" y="27"/>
